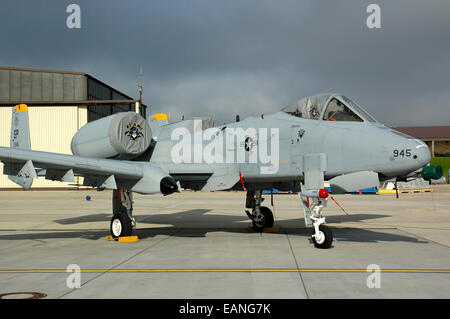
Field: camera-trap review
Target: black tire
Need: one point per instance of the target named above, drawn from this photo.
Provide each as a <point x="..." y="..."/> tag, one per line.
<point x="328" y="238"/>
<point x="268" y="219"/>
<point x="119" y="220"/>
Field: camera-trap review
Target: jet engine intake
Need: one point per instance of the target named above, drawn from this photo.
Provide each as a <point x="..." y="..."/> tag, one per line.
<point x="155" y="181"/>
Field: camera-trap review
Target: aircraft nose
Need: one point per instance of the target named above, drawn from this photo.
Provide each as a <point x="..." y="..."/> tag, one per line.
<point x="420" y="152"/>
<point x="423" y="154"/>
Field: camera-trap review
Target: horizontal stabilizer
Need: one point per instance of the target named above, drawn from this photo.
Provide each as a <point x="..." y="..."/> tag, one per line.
<point x="353" y="182"/>
<point x="100" y="181"/>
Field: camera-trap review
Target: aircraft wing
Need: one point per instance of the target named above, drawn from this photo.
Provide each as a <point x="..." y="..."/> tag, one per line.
<point x="140" y="177"/>
<point x="79" y="165"/>
<point x="107" y="173"/>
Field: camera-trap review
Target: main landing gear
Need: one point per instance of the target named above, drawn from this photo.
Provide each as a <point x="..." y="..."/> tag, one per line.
<point x="122" y="222"/>
<point x="261" y="216"/>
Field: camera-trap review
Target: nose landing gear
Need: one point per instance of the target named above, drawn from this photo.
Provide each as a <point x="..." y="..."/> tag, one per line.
<point x="322" y="236"/>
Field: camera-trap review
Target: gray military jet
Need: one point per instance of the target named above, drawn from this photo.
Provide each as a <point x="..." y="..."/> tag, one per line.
<point x="326" y="137"/>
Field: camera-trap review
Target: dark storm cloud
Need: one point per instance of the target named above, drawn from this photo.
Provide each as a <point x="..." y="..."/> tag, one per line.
<point x="219" y="58"/>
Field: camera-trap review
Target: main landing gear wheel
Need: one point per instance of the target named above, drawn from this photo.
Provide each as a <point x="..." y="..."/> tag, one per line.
<point x="324" y="238"/>
<point x="122" y="222"/>
<point x="121" y="226"/>
<point x="264" y="220"/>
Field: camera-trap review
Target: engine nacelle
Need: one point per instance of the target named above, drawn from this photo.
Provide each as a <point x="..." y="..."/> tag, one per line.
<point x="155" y="181"/>
<point x="123" y="135"/>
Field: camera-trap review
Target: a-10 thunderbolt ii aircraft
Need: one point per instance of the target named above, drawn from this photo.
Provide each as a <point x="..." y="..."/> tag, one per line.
<point x="320" y="138"/>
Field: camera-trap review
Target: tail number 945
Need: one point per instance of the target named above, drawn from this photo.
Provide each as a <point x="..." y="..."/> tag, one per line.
<point x="402" y="153"/>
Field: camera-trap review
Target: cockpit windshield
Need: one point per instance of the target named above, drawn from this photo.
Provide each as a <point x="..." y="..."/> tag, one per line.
<point x="338" y="111"/>
<point x="358" y="109"/>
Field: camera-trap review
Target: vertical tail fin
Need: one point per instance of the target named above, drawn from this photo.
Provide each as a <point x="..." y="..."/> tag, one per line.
<point x="20" y="129"/>
<point x="20" y="138"/>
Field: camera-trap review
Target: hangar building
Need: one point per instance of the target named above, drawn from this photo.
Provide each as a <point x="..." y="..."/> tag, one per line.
<point x="60" y="103"/>
<point x="436" y="137"/>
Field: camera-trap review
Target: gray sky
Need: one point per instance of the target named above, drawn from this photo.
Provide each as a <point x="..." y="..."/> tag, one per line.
<point x="220" y="58"/>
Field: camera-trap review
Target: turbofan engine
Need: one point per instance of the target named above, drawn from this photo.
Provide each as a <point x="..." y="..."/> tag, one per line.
<point x="123" y="135"/>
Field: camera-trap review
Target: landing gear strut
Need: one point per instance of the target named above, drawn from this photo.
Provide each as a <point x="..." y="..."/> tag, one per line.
<point x="122" y="222"/>
<point x="322" y="236"/>
<point x="261" y="216"/>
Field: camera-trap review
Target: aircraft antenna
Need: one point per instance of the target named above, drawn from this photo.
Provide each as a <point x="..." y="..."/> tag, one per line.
<point x="140" y="89"/>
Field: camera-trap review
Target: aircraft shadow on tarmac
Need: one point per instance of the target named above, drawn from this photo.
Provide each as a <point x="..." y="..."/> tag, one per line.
<point x="197" y="223"/>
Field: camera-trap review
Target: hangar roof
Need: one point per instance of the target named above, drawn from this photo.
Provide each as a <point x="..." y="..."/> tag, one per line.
<point x="426" y="132"/>
<point x="38" y="85"/>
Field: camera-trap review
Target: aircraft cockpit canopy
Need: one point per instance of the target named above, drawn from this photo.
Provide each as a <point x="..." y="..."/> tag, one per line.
<point x="328" y="107"/>
<point x="309" y="107"/>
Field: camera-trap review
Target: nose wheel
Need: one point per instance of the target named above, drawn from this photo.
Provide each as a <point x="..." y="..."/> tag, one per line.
<point x="323" y="237"/>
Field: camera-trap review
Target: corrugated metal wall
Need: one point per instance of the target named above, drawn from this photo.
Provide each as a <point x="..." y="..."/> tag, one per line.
<point x="19" y="85"/>
<point x="51" y="130"/>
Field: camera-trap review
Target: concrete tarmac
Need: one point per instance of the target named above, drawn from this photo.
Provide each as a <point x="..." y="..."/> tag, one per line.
<point x="197" y="245"/>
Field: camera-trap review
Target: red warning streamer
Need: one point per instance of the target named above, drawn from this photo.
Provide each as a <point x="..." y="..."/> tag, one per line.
<point x="120" y="197"/>
<point x="338" y="205"/>
<point x="242" y="180"/>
